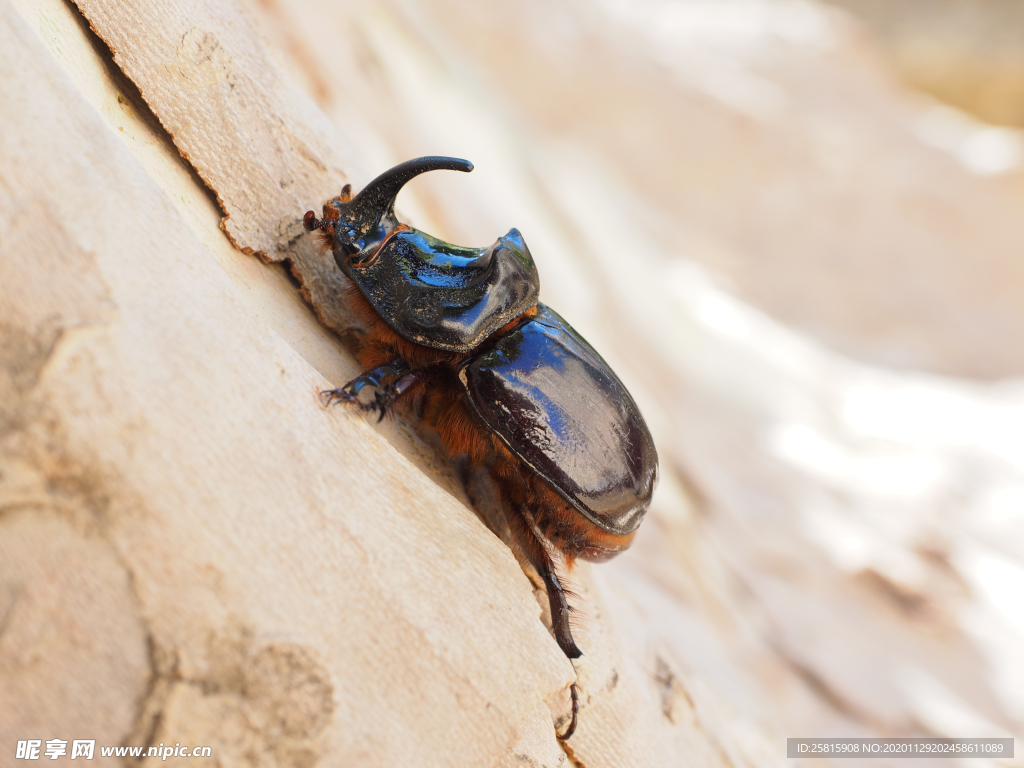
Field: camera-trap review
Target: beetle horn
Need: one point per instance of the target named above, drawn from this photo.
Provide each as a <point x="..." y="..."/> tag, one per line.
<point x="377" y="199"/>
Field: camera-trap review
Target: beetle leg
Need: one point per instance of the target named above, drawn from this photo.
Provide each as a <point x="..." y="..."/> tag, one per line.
<point x="534" y="549"/>
<point x="530" y="544"/>
<point x="391" y="380"/>
<point x="560" y="613"/>
<point x="377" y="377"/>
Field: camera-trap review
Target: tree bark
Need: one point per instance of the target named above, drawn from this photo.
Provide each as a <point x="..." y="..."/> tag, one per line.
<point x="194" y="551"/>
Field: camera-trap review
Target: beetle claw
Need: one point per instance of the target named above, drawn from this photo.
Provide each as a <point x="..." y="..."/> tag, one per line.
<point x="331" y="396"/>
<point x="383" y="400"/>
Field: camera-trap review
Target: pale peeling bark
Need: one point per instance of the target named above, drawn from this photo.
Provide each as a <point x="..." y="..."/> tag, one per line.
<point x="260" y="145"/>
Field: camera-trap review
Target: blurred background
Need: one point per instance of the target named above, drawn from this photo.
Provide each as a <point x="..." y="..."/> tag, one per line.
<point x="794" y="229"/>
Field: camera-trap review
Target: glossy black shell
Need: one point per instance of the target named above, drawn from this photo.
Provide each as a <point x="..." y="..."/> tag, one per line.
<point x="447" y="296"/>
<point x="431" y="292"/>
<point x="559" y="408"/>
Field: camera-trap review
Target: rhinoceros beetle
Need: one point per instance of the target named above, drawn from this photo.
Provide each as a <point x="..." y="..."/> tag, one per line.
<point x="504" y="382"/>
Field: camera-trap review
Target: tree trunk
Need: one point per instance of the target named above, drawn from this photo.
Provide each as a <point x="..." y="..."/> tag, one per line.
<point x="194" y="551"/>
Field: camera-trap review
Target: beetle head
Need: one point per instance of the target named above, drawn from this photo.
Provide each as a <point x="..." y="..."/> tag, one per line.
<point x="357" y="227"/>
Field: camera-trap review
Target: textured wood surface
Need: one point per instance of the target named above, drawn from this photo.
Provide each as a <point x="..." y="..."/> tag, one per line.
<point x="260" y="145"/>
<point x="192" y="550"/>
<point x="183" y="519"/>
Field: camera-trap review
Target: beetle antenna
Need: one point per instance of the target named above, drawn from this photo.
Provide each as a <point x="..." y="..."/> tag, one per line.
<point x="311" y="222"/>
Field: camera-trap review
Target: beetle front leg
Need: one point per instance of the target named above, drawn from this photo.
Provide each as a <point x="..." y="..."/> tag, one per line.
<point x="391" y="380"/>
<point x="377" y="377"/>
